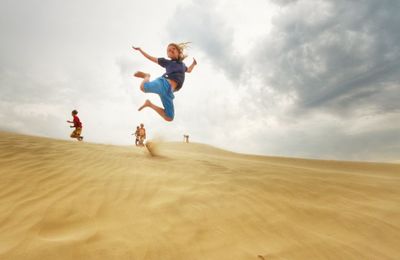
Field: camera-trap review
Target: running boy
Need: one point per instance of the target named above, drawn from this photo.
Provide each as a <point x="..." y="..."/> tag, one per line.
<point x="171" y="81"/>
<point x="78" y="126"/>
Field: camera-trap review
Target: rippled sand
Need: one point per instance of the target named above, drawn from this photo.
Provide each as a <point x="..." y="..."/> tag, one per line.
<point x="70" y="200"/>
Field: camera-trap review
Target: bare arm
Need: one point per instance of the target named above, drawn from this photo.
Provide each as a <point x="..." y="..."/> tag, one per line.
<point x="190" y="68"/>
<point x="153" y="59"/>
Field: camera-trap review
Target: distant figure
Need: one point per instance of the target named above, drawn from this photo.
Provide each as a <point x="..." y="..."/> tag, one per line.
<point x="136" y="136"/>
<point x="78" y="126"/>
<point x="171" y="81"/>
<point x="142" y="135"/>
<point x="186" y="138"/>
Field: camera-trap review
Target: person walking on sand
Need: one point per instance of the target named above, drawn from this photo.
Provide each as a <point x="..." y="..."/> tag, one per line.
<point x="171" y="81"/>
<point x="142" y="135"/>
<point x="136" y="136"/>
<point x="78" y="126"/>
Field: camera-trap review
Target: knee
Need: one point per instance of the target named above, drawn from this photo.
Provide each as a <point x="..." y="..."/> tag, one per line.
<point x="142" y="87"/>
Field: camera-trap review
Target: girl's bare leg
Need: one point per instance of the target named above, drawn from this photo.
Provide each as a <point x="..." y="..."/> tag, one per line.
<point x="158" y="109"/>
<point x="144" y="76"/>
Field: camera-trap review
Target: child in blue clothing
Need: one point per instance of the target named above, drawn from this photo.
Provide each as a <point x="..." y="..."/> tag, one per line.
<point x="170" y="82"/>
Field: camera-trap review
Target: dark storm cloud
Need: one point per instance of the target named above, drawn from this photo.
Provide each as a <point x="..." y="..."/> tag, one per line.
<point x="331" y="55"/>
<point x="340" y="56"/>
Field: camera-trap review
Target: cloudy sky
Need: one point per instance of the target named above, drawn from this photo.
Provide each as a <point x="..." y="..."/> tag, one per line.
<point x="299" y="78"/>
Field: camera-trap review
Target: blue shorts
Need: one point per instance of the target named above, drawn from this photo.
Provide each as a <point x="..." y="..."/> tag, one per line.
<point x="162" y="87"/>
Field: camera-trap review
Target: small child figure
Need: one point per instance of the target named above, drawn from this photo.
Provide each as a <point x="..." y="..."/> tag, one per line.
<point x="78" y="126"/>
<point x="171" y="81"/>
<point x="136" y="136"/>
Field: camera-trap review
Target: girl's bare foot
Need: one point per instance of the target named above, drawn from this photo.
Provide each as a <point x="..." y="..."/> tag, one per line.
<point x="147" y="103"/>
<point x="141" y="74"/>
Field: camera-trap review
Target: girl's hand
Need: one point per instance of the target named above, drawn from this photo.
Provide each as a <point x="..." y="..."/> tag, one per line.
<point x="194" y="61"/>
<point x="136" y="48"/>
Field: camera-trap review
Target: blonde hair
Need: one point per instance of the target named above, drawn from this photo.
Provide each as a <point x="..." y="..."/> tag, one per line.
<point x="181" y="48"/>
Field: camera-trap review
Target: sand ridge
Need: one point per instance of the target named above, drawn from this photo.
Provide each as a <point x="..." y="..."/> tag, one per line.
<point x="70" y="200"/>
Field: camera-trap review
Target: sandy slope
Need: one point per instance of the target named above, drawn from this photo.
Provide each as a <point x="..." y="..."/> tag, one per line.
<point x="70" y="200"/>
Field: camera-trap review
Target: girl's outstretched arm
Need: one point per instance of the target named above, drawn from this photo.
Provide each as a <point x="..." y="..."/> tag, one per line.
<point x="153" y="59"/>
<point x="189" y="69"/>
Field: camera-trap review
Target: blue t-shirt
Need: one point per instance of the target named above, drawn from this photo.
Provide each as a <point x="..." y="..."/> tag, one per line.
<point x="175" y="70"/>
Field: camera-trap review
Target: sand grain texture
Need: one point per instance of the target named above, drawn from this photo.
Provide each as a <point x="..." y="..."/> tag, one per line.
<point x="70" y="200"/>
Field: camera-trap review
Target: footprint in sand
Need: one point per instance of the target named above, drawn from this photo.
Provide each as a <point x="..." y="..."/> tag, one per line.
<point x="67" y="227"/>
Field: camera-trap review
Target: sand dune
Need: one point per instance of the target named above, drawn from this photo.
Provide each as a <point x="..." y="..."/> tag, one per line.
<point x="70" y="200"/>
